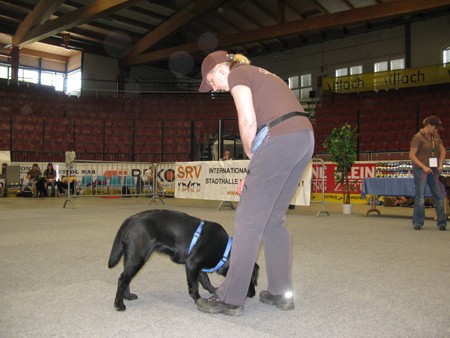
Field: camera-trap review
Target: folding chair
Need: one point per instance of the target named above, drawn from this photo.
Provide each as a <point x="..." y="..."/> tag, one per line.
<point x="115" y="182"/>
<point x="129" y="184"/>
<point x="86" y="184"/>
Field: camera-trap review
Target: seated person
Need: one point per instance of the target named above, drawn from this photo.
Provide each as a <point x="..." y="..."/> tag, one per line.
<point x="62" y="185"/>
<point x="226" y="155"/>
<point x="149" y="178"/>
<point x="32" y="176"/>
<point x="50" y="178"/>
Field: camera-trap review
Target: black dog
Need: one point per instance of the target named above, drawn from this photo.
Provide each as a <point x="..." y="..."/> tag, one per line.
<point x="170" y="232"/>
<point x="41" y="189"/>
<point x="445" y="180"/>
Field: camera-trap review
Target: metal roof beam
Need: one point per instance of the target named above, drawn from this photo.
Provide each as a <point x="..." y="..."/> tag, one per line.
<point x="77" y="17"/>
<point x="322" y="22"/>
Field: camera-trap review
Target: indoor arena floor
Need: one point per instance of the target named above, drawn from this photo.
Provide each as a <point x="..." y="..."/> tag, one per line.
<point x="354" y="276"/>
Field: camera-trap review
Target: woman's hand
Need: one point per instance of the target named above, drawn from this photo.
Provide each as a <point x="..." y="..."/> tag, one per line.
<point x="240" y="186"/>
<point x="427" y="169"/>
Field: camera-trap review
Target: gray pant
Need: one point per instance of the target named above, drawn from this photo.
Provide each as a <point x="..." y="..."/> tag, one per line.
<point x="273" y="176"/>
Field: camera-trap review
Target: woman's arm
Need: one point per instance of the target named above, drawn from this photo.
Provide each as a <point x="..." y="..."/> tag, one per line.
<point x="442" y="158"/>
<point x="243" y="100"/>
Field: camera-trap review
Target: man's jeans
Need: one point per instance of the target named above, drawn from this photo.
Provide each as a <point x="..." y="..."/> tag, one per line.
<point x="421" y="179"/>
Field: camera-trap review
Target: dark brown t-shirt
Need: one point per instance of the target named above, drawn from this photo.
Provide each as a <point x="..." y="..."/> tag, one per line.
<point x="272" y="98"/>
<point x="425" y="147"/>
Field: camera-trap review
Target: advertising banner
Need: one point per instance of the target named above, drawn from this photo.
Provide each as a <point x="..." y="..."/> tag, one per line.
<point x="394" y="79"/>
<point x="212" y="180"/>
<point x="333" y="190"/>
<point x="303" y="194"/>
<point x="218" y="180"/>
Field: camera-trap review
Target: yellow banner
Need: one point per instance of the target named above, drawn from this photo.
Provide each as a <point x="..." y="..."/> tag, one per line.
<point x="355" y="198"/>
<point x="403" y="78"/>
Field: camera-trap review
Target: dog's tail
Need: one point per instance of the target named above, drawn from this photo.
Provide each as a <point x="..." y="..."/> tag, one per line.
<point x="116" y="251"/>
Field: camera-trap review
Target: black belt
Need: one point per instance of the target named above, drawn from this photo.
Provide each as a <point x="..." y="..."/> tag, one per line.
<point x="281" y="119"/>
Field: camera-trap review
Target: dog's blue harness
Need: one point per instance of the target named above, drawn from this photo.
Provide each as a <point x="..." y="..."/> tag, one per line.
<point x="225" y="254"/>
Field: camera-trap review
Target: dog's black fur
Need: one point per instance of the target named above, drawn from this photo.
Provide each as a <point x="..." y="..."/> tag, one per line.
<point x="445" y="180"/>
<point x="41" y="189"/>
<point x="170" y="232"/>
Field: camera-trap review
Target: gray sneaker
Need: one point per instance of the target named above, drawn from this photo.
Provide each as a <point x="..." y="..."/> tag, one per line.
<point x="282" y="302"/>
<point x="214" y="305"/>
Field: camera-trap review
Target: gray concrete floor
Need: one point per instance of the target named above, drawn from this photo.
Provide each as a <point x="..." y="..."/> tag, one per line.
<point x="354" y="276"/>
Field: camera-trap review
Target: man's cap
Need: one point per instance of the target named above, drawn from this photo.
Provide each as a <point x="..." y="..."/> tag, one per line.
<point x="208" y="65"/>
<point x="434" y="121"/>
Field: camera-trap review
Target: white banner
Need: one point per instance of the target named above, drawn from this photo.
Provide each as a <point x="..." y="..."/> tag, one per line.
<point x="212" y="180"/>
<point x="5" y="157"/>
<point x="303" y="194"/>
<point x="218" y="180"/>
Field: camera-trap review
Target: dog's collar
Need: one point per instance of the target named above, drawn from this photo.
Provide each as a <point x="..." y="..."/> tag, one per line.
<point x="225" y="254"/>
<point x="224" y="258"/>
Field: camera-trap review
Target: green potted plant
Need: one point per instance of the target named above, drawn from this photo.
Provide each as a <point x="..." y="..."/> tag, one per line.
<point x="342" y="145"/>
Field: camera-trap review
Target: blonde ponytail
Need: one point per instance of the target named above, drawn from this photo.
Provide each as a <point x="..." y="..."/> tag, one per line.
<point x="237" y="60"/>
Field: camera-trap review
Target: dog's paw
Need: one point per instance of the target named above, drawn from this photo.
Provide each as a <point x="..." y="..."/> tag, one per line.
<point x="120" y="307"/>
<point x="131" y="296"/>
<point x="195" y="297"/>
<point x="251" y="292"/>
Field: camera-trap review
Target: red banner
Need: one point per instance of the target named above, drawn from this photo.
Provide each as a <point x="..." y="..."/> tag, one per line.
<point x="333" y="190"/>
